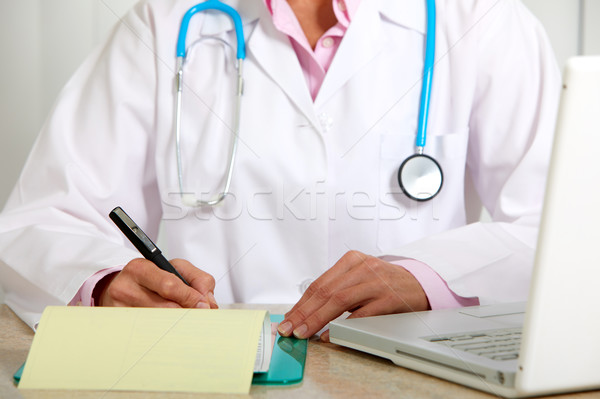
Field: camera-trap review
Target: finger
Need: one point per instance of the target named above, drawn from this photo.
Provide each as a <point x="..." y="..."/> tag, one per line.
<point x="354" y="296"/>
<point x="342" y="266"/>
<point x="198" y="279"/>
<point x="318" y="296"/>
<point x="377" y="307"/>
<point x="142" y="298"/>
<point x="373" y="308"/>
<point x="165" y="284"/>
<point x="212" y="301"/>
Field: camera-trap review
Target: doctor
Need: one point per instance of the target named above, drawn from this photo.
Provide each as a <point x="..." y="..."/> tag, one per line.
<point x="315" y="215"/>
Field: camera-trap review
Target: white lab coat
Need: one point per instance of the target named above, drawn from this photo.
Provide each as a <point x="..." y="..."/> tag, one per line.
<point x="312" y="179"/>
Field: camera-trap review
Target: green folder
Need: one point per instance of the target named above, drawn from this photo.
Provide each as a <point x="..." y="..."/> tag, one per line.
<point x="17" y="376"/>
<point x="287" y="361"/>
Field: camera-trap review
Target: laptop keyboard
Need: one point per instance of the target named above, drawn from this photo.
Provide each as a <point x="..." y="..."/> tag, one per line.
<point x="501" y="344"/>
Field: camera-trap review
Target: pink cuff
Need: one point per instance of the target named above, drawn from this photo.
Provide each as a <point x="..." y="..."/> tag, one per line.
<point x="84" y="295"/>
<point x="438" y="293"/>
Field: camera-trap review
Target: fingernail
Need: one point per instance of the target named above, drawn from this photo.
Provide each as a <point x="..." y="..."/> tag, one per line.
<point x="285" y="328"/>
<point x="211" y="298"/>
<point x="300" y="331"/>
<point x="202" y="305"/>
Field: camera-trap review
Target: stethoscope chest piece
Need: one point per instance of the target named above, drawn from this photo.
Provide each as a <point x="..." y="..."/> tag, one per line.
<point x="420" y="177"/>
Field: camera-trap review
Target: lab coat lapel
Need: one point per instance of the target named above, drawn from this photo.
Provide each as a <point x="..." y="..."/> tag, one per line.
<point x="272" y="50"/>
<point x="365" y="39"/>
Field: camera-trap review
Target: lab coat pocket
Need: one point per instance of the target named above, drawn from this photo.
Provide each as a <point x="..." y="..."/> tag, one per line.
<point x="401" y="219"/>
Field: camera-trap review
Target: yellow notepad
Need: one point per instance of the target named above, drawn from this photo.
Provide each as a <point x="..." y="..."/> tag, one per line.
<point x="145" y="349"/>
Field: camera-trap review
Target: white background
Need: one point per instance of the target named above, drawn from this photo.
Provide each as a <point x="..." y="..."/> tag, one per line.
<point x="43" y="41"/>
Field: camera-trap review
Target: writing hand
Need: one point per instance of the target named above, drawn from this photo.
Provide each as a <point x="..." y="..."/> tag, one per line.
<point x="142" y="284"/>
<point x="358" y="283"/>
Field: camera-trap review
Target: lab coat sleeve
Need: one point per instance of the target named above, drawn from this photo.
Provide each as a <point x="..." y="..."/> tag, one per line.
<point x="93" y="154"/>
<point x="511" y="131"/>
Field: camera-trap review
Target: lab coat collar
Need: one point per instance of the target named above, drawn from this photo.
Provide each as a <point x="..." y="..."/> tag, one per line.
<point x="270" y="48"/>
<point x="365" y="38"/>
<point x="408" y="13"/>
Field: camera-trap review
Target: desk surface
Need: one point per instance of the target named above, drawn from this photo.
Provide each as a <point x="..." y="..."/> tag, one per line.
<point x="331" y="372"/>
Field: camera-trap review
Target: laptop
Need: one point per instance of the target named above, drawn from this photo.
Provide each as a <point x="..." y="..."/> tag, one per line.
<point x="551" y="344"/>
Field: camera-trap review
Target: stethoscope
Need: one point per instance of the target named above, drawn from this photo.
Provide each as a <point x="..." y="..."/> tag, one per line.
<point x="187" y="198"/>
<point x="419" y="176"/>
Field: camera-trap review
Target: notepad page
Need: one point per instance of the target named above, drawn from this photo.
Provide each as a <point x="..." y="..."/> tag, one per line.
<point x="264" y="352"/>
<point x="145" y="349"/>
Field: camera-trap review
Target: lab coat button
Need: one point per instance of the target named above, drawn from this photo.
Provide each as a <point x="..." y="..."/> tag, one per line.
<point x="326" y="122"/>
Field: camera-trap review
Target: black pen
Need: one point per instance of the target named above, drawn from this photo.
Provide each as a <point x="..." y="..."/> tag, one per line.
<point x="141" y="241"/>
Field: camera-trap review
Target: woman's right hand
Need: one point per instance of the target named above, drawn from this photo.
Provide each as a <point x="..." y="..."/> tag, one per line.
<point x="142" y="284"/>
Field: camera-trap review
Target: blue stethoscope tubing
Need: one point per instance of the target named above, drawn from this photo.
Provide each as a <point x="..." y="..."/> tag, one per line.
<point x="420" y="176"/>
<point x="428" y="65"/>
<point x="218" y="6"/>
<point x="190" y="199"/>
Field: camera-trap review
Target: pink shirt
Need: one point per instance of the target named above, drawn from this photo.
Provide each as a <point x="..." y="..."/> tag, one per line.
<point x="315" y="64"/>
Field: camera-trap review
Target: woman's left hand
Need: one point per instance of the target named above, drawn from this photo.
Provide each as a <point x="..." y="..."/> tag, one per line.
<point x="357" y="283"/>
